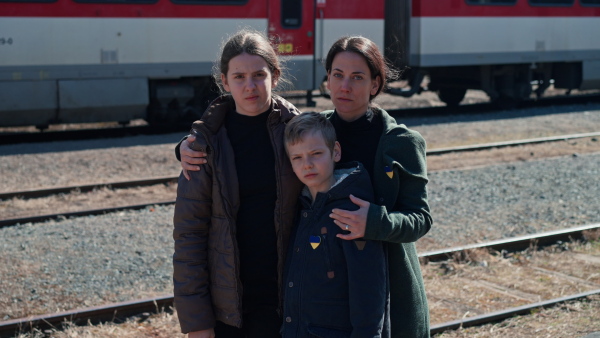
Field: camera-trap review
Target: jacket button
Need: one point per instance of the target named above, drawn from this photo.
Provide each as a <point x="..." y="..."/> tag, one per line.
<point x="305" y="214"/>
<point x="381" y="199"/>
<point x="288" y="319"/>
<point x="291" y="284"/>
<point x="297" y="249"/>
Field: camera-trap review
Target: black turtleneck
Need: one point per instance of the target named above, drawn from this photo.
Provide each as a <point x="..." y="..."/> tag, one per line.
<point x="359" y="139"/>
<point x="255" y="225"/>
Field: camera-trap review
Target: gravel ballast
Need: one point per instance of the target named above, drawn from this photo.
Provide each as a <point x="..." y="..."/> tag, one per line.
<point x="96" y="260"/>
<point x="89" y="261"/>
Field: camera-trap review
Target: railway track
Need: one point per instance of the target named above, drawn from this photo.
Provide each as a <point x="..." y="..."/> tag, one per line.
<point x="117" y="312"/>
<point x="36" y="193"/>
<point x="77" y="134"/>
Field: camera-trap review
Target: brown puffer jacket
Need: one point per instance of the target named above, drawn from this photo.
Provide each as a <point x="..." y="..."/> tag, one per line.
<point x="206" y="263"/>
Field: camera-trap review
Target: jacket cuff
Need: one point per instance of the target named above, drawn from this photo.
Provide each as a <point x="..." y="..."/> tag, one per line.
<point x="374" y="222"/>
<point x="194" y="314"/>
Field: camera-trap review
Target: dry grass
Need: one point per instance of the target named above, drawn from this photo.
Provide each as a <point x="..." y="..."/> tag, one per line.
<point x="572" y="319"/>
<point x="477" y="281"/>
<point x="163" y="324"/>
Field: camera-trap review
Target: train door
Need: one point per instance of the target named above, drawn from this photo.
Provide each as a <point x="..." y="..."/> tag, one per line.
<point x="292" y="27"/>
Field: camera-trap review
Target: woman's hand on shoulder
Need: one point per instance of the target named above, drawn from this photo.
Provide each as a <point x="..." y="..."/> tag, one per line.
<point x="210" y="333"/>
<point x="190" y="159"/>
<point x="353" y="221"/>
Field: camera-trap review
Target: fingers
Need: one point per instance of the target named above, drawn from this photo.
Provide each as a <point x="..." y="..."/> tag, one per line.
<point x="345" y="217"/>
<point x="359" y="202"/>
<point x="348" y="237"/>
<point x="356" y="230"/>
<point x="195" y="159"/>
<point x="191" y="166"/>
<point x="186" y="174"/>
<point x="341" y="215"/>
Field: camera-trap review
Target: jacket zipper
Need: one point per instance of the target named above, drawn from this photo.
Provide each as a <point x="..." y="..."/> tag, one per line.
<point x="279" y="231"/>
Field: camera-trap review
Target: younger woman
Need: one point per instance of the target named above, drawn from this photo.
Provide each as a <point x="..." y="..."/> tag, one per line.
<point x="233" y="219"/>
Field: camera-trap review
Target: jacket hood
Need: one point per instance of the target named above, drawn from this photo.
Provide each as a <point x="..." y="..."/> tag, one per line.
<point x="350" y="178"/>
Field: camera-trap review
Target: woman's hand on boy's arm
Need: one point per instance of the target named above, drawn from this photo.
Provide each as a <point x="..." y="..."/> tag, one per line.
<point x="190" y="159"/>
<point x="353" y="221"/>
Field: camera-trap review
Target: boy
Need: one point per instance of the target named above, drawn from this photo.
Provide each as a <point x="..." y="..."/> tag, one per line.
<point x="333" y="287"/>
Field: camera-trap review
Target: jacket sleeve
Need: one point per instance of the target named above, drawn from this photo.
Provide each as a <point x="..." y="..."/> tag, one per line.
<point x="367" y="281"/>
<point x="408" y="218"/>
<point x="192" y="220"/>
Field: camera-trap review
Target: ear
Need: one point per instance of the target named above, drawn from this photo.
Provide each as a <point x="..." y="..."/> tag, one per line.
<point x="375" y="84"/>
<point x="224" y="82"/>
<point x="275" y="78"/>
<point x="337" y="152"/>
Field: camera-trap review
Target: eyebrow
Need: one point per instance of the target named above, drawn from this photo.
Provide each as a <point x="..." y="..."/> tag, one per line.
<point x="358" y="72"/>
<point x="252" y="72"/>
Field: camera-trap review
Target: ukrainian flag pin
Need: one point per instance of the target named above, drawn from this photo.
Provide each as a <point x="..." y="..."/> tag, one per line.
<point x="315" y="241"/>
<point x="389" y="172"/>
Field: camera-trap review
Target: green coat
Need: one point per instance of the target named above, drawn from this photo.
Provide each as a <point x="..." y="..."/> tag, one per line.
<point x="403" y="150"/>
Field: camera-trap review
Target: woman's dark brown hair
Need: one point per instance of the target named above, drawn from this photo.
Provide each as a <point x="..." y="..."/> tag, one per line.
<point x="369" y="51"/>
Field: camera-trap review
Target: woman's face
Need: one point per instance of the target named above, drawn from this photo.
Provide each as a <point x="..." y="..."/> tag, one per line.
<point x="350" y="84"/>
<point x="249" y="81"/>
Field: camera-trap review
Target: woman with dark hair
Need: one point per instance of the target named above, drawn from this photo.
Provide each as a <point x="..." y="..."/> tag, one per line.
<point x="394" y="157"/>
<point x="232" y="221"/>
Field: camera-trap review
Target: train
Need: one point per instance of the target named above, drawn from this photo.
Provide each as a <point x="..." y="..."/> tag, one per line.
<point x="79" y="61"/>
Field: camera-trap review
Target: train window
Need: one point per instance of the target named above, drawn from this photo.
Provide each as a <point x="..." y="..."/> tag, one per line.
<point x="551" y="2"/>
<point x="590" y="2"/>
<point x="45" y="1"/>
<point x="291" y="13"/>
<point x="209" y="2"/>
<point x="117" y="1"/>
<point x="491" y="2"/>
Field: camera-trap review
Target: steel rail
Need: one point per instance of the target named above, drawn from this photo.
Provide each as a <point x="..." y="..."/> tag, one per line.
<point x="118" y="311"/>
<point x="507" y="313"/>
<point x="77" y="134"/>
<point x="34" y="193"/>
<point x="43" y="218"/>
<point x="512" y="244"/>
<point x="111" y="312"/>
<point x="484" y="146"/>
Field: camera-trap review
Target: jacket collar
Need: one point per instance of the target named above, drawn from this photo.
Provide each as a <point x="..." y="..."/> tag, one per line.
<point x="214" y="116"/>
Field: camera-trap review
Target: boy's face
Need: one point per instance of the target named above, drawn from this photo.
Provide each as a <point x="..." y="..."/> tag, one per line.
<point x="313" y="162"/>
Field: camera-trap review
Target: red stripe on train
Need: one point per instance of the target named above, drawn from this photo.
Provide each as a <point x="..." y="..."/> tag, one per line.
<point x="522" y="8"/>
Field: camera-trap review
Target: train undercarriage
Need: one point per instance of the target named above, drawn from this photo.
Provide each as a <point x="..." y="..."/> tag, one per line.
<point x="506" y="85"/>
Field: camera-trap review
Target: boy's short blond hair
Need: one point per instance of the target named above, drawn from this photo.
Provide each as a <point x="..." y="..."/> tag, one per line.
<point x="309" y="122"/>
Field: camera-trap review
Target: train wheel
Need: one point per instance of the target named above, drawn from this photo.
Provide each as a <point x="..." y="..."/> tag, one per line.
<point x="451" y="96"/>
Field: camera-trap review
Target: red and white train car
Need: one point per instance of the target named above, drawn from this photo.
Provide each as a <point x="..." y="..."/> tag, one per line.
<point x="501" y="46"/>
<point x="72" y="61"/>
